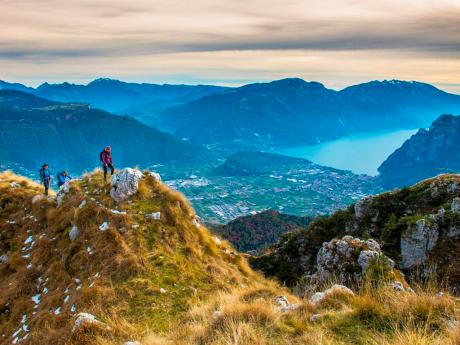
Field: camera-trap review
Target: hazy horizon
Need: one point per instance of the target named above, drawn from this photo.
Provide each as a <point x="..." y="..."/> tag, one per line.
<point x="455" y="89"/>
<point x="231" y="43"/>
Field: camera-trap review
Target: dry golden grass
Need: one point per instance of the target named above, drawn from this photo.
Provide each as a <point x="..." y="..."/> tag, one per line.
<point x="171" y="282"/>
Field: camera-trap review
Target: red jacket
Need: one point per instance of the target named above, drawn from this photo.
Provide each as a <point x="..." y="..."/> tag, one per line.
<point x="106" y="157"/>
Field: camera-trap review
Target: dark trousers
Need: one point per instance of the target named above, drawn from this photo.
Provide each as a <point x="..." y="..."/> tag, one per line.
<point x="105" y="170"/>
<point x="46" y="183"/>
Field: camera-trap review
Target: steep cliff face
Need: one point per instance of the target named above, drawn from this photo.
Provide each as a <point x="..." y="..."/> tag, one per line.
<point x="418" y="227"/>
<point x="427" y="153"/>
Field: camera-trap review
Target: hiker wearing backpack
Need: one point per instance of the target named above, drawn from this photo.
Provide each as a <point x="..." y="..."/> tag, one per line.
<point x="62" y="177"/>
<point x="106" y="160"/>
<point x="45" y="177"/>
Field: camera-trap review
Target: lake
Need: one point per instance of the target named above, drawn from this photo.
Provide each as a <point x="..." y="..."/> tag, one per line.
<point x="361" y="153"/>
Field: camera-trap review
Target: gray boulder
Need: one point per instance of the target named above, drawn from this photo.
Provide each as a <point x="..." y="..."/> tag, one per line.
<point x="348" y="259"/>
<point x="124" y="183"/>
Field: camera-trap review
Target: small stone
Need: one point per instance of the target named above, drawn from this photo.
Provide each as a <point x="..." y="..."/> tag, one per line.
<point x="153" y="215"/>
<point x="85" y="319"/>
<point x="104" y="226"/>
<point x="397" y="286"/>
<point x="314" y="317"/>
<point x="217" y="240"/>
<point x="4" y="259"/>
<point x="73" y="234"/>
<point x="37" y="198"/>
<point x="162" y="290"/>
<point x="317" y="297"/>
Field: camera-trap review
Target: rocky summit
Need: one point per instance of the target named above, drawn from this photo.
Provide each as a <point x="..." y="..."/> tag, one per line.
<point x="417" y="227"/>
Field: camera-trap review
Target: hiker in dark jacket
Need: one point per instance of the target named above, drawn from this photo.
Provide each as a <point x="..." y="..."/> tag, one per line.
<point x="45" y="177"/>
<point x="62" y="177"/>
<point x="106" y="160"/>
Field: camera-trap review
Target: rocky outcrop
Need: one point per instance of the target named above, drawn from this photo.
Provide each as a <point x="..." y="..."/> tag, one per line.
<point x="348" y="259"/>
<point x="124" y="183"/>
<point x="418" y="227"/>
<point x="417" y="241"/>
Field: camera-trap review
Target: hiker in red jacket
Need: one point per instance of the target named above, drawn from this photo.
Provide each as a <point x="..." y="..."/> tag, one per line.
<point x="106" y="160"/>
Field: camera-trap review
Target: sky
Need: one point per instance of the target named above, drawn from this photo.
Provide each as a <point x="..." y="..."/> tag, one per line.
<point x="231" y="42"/>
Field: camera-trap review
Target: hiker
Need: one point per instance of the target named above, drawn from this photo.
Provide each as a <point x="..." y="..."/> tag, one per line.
<point x="106" y="159"/>
<point x="62" y="177"/>
<point x="45" y="177"/>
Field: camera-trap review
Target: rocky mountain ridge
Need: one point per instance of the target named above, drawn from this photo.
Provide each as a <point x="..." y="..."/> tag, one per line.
<point x="427" y="153"/>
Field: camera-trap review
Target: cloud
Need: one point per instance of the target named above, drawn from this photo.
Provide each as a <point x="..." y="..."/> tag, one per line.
<point x="58" y="33"/>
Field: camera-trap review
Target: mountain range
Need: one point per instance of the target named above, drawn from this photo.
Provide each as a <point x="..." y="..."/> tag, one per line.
<point x="284" y="112"/>
<point x="71" y="136"/>
<point x="293" y="112"/>
<point x="427" y="153"/>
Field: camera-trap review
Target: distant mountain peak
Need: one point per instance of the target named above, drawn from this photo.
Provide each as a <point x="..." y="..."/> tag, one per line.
<point x="105" y="81"/>
<point x="295" y="81"/>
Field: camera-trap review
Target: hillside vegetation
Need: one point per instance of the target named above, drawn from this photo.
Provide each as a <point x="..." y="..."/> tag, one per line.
<point x="71" y="136"/>
<point x="256" y="231"/>
<point x="417" y="226"/>
<point x="162" y="278"/>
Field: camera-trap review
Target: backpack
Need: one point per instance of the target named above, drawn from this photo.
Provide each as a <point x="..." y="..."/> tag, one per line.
<point x="40" y="173"/>
<point x="100" y="155"/>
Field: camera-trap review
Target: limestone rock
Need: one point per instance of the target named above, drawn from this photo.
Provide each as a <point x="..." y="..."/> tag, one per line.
<point x="84" y="319"/>
<point x="62" y="192"/>
<point x="417" y="241"/>
<point x="4" y="259"/>
<point x="124" y="184"/>
<point x="362" y="207"/>
<point x="155" y="175"/>
<point x="284" y="305"/>
<point x="104" y="226"/>
<point x="318" y="297"/>
<point x="348" y="259"/>
<point x="153" y="215"/>
<point x="398" y="286"/>
<point x="73" y="234"/>
<point x="455" y="206"/>
<point x="132" y="343"/>
<point x="37" y="198"/>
